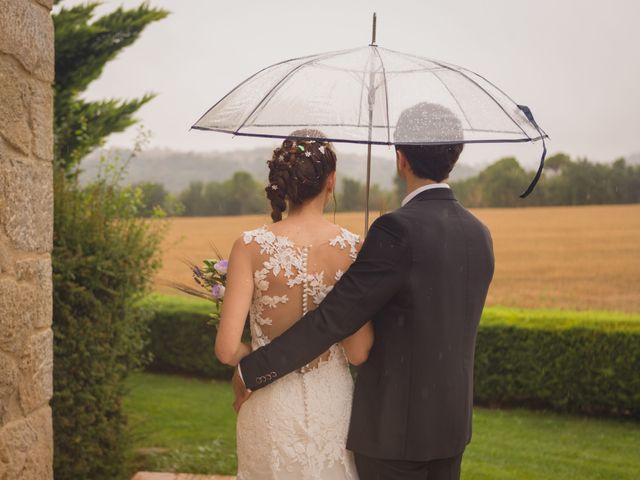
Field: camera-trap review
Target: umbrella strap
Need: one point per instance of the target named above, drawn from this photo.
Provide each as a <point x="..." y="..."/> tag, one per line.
<point x="529" y="115"/>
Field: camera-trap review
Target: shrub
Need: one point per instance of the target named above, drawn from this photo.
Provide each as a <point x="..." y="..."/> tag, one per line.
<point x="582" y="362"/>
<point x="102" y="260"/>
<point x="181" y="340"/>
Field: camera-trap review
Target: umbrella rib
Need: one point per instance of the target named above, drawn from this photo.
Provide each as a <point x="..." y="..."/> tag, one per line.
<point x="433" y="72"/>
<point x="284" y="79"/>
<point x="454" y="98"/>
<point x="233" y="90"/>
<point x="246" y="80"/>
<point x="459" y="70"/>
<point x="386" y="93"/>
<point x="361" y="97"/>
<point x="505" y="94"/>
<point x="486" y="93"/>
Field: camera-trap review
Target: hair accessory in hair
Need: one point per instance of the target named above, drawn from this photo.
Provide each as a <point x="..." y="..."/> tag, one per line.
<point x="281" y="157"/>
<point x="321" y="148"/>
<point x="301" y="148"/>
<point x="274" y="186"/>
<point x="307" y="153"/>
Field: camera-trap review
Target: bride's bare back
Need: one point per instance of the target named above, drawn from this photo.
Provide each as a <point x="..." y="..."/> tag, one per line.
<point x="293" y="270"/>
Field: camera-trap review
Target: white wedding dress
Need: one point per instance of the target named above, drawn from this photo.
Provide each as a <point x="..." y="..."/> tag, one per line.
<point x="296" y="427"/>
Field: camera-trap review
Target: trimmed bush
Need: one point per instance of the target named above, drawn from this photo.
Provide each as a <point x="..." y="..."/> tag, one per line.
<point x="581" y="362"/>
<point x="181" y="340"/>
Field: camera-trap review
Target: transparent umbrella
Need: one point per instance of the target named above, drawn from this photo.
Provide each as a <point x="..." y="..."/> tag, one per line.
<point x="357" y="96"/>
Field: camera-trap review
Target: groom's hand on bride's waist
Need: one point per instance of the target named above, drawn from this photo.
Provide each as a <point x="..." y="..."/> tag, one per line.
<point x="240" y="391"/>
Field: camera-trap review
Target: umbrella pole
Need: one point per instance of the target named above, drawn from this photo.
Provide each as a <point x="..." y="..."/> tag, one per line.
<point x="366" y="206"/>
<point x="371" y="102"/>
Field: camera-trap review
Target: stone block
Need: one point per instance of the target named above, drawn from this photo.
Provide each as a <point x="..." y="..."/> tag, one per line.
<point x="41" y="117"/>
<point x="26" y="447"/>
<point x="36" y="371"/>
<point x="6" y="256"/>
<point x="15" y="316"/>
<point x="37" y="271"/>
<point x="22" y="307"/>
<point x="15" y="95"/>
<point x="8" y="384"/>
<point x="26" y="111"/>
<point x="26" y="33"/>
<point x="26" y="203"/>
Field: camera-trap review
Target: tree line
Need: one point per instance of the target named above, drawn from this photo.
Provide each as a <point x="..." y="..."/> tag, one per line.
<point x="242" y="194"/>
<point x="564" y="182"/>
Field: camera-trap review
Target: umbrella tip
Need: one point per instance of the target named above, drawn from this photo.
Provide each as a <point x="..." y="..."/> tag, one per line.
<point x="373" y="33"/>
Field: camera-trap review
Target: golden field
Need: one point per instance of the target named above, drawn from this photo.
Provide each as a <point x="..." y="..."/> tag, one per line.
<point x="578" y="258"/>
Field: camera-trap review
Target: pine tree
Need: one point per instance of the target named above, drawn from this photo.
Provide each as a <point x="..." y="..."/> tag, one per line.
<point x="83" y="48"/>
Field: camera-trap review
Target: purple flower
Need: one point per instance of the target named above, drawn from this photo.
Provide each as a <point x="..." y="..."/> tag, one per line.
<point x="217" y="291"/>
<point x="222" y="266"/>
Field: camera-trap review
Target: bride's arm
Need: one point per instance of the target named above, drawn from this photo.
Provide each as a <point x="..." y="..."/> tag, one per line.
<point x="229" y="348"/>
<point x="358" y="345"/>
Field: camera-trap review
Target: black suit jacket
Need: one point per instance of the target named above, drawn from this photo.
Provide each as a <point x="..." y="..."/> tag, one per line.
<point x="422" y="277"/>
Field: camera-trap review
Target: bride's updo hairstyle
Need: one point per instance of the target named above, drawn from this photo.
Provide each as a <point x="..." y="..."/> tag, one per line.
<point x="298" y="170"/>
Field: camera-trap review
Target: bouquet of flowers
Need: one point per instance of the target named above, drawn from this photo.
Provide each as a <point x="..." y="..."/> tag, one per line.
<point x="211" y="278"/>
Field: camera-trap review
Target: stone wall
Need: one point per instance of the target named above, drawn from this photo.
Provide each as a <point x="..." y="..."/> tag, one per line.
<point x="26" y="237"/>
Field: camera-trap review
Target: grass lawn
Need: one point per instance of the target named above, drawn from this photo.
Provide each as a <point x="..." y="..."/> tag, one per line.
<point x="187" y="425"/>
<point x="181" y="424"/>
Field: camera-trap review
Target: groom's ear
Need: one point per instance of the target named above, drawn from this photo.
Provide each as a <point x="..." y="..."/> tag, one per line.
<point x="401" y="161"/>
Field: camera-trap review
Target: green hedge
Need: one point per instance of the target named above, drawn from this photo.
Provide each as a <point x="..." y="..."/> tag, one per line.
<point x="582" y="362"/>
<point x="181" y="340"/>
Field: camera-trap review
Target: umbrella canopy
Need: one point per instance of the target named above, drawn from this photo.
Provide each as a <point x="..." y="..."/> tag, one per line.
<point x="359" y="95"/>
<point x="336" y="92"/>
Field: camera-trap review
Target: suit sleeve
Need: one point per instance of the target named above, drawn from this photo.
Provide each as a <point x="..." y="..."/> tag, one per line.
<point x="377" y="274"/>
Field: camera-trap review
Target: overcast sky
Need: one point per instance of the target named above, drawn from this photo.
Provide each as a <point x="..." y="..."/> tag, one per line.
<point x="576" y="64"/>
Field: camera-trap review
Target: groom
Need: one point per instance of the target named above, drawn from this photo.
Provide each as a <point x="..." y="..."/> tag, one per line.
<point x="422" y="277"/>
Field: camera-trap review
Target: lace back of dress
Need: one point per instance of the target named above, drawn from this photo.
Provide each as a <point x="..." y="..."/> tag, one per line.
<point x="292" y="279"/>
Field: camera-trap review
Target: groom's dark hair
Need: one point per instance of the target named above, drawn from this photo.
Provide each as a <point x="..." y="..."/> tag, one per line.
<point x="424" y="123"/>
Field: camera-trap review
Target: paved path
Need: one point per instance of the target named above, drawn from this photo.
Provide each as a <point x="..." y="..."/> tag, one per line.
<point x="177" y="476"/>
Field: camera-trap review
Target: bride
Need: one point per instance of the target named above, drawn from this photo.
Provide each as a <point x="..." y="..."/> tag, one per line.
<point x="295" y="428"/>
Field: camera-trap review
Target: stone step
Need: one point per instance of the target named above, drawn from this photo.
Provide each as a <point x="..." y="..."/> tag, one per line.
<point x="177" y="476"/>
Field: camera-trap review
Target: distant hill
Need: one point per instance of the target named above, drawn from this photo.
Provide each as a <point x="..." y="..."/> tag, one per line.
<point x="633" y="159"/>
<point x="176" y="169"/>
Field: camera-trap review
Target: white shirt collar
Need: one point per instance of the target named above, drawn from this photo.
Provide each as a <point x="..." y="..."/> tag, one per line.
<point x="422" y="189"/>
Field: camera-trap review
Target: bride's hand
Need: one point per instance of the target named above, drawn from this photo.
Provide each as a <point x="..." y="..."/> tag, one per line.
<point x="239" y="390"/>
